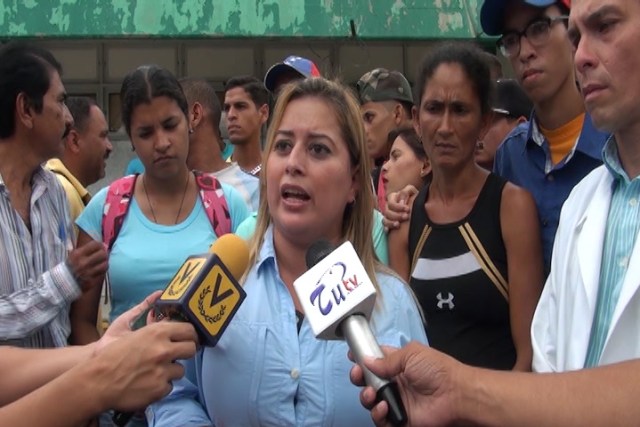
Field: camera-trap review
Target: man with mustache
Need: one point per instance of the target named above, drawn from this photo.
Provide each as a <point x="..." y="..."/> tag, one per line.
<point x="40" y="271"/>
<point x="86" y="148"/>
<point x="560" y="146"/>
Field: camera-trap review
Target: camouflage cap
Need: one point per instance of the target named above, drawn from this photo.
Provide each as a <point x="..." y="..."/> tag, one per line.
<point x="381" y="84"/>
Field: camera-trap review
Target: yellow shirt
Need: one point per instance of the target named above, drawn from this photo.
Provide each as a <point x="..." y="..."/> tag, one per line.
<point x="563" y="139"/>
<point x="77" y="195"/>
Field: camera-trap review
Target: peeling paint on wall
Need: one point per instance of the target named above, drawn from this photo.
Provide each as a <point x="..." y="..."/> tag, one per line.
<point x="381" y="19"/>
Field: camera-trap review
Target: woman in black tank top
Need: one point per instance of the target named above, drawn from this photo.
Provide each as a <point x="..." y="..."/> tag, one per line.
<point x="471" y="250"/>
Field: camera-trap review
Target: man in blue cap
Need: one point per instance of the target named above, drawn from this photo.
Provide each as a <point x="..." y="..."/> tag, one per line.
<point x="559" y="145"/>
<point x="291" y="68"/>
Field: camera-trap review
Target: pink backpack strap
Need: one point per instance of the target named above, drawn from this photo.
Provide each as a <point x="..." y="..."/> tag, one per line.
<point x="214" y="202"/>
<point x="116" y="206"/>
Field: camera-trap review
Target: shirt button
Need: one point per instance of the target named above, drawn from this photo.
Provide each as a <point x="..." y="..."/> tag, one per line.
<point x="624" y="261"/>
<point x="295" y="373"/>
<point x="549" y="177"/>
<point x="633" y="202"/>
<point x="545" y="222"/>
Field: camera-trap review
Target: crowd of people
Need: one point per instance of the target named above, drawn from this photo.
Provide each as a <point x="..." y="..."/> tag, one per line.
<point x="496" y="218"/>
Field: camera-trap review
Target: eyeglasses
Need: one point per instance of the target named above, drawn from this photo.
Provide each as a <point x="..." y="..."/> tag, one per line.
<point x="537" y="32"/>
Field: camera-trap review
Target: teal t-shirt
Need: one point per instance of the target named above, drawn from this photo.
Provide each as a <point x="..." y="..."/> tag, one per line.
<point x="246" y="229"/>
<point x="146" y="255"/>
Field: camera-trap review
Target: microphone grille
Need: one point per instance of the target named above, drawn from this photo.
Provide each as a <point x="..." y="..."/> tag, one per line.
<point x="317" y="252"/>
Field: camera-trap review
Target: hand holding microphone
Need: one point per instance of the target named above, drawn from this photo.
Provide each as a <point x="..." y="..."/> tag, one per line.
<point x="338" y="298"/>
<point x="204" y="292"/>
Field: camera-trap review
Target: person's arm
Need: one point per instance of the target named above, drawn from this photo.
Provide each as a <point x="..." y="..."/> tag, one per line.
<point x="24" y="370"/>
<point x="128" y="370"/>
<point x="521" y="236"/>
<point x="398" y="207"/>
<point x="45" y="407"/>
<point x="34" y="305"/>
<point x="379" y="235"/>
<point x="126" y="375"/>
<point x="398" y="241"/>
<point x="84" y="311"/>
<point x="438" y="390"/>
<point x="595" y="397"/>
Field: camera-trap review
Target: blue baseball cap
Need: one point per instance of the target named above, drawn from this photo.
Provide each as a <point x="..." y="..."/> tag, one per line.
<point x="492" y="13"/>
<point x="303" y="66"/>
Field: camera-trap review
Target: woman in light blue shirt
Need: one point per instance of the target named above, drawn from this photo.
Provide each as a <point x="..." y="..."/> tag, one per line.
<point x="268" y="368"/>
<point x="167" y="217"/>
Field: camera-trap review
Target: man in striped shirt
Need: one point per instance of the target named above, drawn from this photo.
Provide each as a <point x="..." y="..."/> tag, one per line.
<point x="40" y="271"/>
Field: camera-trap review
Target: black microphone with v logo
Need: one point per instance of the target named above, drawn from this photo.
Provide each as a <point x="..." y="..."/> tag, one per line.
<point x="205" y="291"/>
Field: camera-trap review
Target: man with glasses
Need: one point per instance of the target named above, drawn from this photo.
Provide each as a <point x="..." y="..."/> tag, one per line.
<point x="560" y="146"/>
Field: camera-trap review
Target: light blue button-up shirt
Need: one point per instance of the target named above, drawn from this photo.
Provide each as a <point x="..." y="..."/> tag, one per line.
<point x="623" y="223"/>
<point x="263" y="372"/>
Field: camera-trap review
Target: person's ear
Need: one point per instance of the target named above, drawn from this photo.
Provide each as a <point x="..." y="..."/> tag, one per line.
<point x="72" y="141"/>
<point x="398" y="114"/>
<point x="426" y="168"/>
<point x="24" y="110"/>
<point x="264" y="113"/>
<point x="521" y="119"/>
<point x="196" y="115"/>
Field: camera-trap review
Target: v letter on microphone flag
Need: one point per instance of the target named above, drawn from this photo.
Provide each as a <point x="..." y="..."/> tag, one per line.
<point x="205" y="290"/>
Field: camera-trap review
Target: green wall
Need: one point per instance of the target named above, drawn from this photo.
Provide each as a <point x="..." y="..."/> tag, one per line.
<point x="373" y="19"/>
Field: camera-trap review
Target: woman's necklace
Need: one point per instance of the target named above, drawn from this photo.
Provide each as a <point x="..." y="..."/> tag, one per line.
<point x="255" y="171"/>
<point x="184" y="193"/>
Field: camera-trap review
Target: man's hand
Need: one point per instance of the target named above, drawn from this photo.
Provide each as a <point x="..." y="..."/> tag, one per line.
<point x="123" y="324"/>
<point x="427" y="381"/>
<point x="398" y="207"/>
<point x="137" y="369"/>
<point x="88" y="264"/>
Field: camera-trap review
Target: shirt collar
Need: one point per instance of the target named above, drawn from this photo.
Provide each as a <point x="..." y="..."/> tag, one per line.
<point x="611" y="159"/>
<point x="267" y="251"/>
<point x="40" y="177"/>
<point x="56" y="165"/>
<point x="589" y="141"/>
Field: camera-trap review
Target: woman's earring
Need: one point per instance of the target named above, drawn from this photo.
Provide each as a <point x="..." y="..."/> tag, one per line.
<point x="190" y="131"/>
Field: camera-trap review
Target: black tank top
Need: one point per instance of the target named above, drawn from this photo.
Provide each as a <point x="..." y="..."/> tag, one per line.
<point x="459" y="275"/>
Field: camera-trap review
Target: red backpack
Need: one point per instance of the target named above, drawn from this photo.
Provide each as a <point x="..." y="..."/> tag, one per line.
<point x="120" y="193"/>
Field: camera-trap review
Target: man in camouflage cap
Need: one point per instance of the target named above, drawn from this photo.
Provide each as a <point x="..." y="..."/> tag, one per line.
<point x="386" y="103"/>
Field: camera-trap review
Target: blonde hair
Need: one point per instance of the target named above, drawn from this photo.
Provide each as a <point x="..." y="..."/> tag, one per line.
<point x="357" y="221"/>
